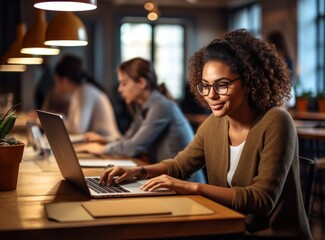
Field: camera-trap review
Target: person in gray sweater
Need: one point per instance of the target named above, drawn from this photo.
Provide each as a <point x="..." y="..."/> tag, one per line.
<point x="159" y="129"/>
<point x="248" y="144"/>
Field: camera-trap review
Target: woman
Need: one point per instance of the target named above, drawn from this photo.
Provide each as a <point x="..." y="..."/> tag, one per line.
<point x="248" y="144"/>
<point x="159" y="129"/>
<point x="89" y="108"/>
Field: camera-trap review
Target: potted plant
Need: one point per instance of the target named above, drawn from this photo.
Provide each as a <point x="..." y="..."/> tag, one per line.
<point x="321" y="102"/>
<point x="302" y="101"/>
<point x="11" y="152"/>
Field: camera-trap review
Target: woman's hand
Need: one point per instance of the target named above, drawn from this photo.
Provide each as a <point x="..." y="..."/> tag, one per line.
<point x="94" y="137"/>
<point x="93" y="148"/>
<point x="165" y="181"/>
<point x="123" y="173"/>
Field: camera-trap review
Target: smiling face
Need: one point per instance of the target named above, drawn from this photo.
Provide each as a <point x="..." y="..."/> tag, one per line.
<point x="235" y="100"/>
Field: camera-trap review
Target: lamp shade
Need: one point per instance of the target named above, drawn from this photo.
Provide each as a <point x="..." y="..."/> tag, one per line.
<point x="64" y="5"/>
<point x="66" y="29"/>
<point x="14" y="55"/>
<point x="33" y="42"/>
<point x="4" y="67"/>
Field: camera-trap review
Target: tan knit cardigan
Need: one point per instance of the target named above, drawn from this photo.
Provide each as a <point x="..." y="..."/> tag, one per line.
<point x="266" y="181"/>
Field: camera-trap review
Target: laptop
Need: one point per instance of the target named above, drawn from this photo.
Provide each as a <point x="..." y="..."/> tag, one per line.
<point x="66" y="157"/>
<point x="39" y="141"/>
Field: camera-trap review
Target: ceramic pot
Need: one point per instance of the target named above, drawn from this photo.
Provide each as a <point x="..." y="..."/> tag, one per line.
<point x="10" y="158"/>
<point x="302" y="104"/>
<point x="321" y="104"/>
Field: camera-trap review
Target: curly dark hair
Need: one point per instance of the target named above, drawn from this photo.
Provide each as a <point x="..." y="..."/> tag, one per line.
<point x="262" y="69"/>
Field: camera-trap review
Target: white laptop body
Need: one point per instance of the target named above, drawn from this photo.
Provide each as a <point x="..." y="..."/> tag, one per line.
<point x="65" y="155"/>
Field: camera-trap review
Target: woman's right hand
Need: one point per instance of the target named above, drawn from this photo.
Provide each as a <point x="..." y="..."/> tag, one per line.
<point x="94" y="137"/>
<point x="122" y="173"/>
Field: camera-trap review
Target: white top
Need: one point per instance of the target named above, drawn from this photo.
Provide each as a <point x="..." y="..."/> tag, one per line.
<point x="91" y="110"/>
<point x="235" y="152"/>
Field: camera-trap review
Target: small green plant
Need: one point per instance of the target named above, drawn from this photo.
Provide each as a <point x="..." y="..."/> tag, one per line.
<point x="306" y="94"/>
<point x="321" y="94"/>
<point x="7" y="122"/>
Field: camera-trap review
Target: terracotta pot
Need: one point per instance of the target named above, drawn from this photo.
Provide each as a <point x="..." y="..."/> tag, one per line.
<point x="321" y="104"/>
<point x="302" y="104"/>
<point x="10" y="158"/>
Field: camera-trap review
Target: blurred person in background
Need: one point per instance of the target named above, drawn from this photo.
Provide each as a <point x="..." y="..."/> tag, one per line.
<point x="87" y="106"/>
<point x="277" y="38"/>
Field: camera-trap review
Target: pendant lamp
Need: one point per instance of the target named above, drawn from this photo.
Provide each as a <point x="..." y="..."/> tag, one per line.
<point x="4" y="67"/>
<point x="66" y="5"/>
<point x="12" y="68"/>
<point x="66" y="29"/>
<point x="14" y="55"/>
<point x="33" y="42"/>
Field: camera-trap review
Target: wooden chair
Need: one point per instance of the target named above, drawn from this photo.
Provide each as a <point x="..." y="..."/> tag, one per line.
<point x="307" y="170"/>
<point x="320" y="170"/>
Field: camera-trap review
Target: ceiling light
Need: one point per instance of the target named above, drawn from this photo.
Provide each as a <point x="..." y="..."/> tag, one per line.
<point x="152" y="16"/>
<point x="12" y="68"/>
<point x="66" y="29"/>
<point x="149" y="6"/>
<point x="14" y="55"/>
<point x="4" y="67"/>
<point x="62" y="5"/>
<point x="33" y="42"/>
<point x="152" y="8"/>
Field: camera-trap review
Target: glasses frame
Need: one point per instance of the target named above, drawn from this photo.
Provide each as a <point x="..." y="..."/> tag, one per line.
<point x="215" y="86"/>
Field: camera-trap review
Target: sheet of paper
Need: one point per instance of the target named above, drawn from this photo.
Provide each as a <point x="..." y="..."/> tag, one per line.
<point x="106" y="162"/>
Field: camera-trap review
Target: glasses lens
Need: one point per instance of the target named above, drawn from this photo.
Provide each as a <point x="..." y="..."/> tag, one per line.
<point x="203" y="89"/>
<point x="221" y="87"/>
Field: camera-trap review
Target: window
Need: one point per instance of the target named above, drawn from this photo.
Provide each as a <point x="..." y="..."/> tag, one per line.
<point x="136" y="40"/>
<point x="248" y="17"/>
<point x="163" y="44"/>
<point x="320" y="36"/>
<point x="311" y="42"/>
<point x="307" y="50"/>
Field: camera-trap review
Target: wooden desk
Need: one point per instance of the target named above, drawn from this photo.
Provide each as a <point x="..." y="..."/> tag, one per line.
<point x="23" y="216"/>
<point x="313" y="116"/>
<point x="311" y="133"/>
<point x="310" y="129"/>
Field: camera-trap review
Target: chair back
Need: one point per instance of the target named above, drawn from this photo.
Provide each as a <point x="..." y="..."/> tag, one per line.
<point x="307" y="167"/>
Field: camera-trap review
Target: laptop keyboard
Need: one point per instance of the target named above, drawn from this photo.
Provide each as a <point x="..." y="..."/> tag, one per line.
<point x="113" y="188"/>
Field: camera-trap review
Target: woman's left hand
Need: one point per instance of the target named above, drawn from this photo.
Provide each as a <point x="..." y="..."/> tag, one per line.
<point x="165" y="181"/>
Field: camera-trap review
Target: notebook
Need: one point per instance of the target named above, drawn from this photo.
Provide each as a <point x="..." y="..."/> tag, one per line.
<point x="65" y="155"/>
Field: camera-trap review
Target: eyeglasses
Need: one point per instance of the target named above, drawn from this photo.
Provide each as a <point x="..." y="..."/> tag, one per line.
<point x="220" y="87"/>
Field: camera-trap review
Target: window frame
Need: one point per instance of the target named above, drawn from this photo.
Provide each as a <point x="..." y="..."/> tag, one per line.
<point x="254" y="25"/>
<point x="320" y="48"/>
<point x="153" y="24"/>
